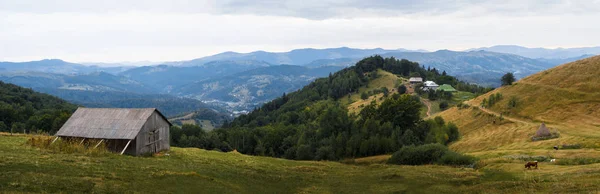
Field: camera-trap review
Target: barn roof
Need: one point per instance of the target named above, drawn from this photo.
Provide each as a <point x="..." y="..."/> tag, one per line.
<point x="415" y="79"/>
<point x="446" y="88"/>
<point x="107" y="123"/>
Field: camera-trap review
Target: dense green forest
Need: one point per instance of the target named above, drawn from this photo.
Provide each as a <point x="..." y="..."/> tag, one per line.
<point x="24" y="110"/>
<point x="311" y="124"/>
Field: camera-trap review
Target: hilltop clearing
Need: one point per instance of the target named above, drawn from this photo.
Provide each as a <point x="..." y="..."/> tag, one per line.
<point x="565" y="98"/>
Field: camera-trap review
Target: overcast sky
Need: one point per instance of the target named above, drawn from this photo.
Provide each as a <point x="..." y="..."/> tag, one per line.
<point x="136" y="30"/>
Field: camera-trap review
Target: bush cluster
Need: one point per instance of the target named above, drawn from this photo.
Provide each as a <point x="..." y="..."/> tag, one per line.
<point x="429" y="154"/>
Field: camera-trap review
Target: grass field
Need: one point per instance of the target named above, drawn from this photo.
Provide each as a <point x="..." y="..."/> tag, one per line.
<point x="384" y="79"/>
<point x="207" y="125"/>
<point x="190" y="170"/>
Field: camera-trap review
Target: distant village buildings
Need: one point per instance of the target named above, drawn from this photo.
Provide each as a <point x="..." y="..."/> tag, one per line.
<point x="430" y="85"/>
<point x="446" y="88"/>
<point x="415" y="80"/>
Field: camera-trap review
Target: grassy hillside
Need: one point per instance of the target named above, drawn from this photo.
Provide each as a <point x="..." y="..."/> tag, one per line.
<point x="566" y="98"/>
<point x="191" y="170"/>
<point x="384" y="79"/>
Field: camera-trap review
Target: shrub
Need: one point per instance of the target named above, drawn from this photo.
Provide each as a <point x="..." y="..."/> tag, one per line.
<point x="512" y="102"/>
<point x="443" y="105"/>
<point x="418" y="155"/>
<point x="577" y="161"/>
<point x="402" y="89"/>
<point x="68" y="145"/>
<point x="430" y="154"/>
<point x="364" y="96"/>
<point x="571" y="146"/>
<point x="456" y="159"/>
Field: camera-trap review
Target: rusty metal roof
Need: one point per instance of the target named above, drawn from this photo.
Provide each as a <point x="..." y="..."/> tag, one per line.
<point x="107" y="123"/>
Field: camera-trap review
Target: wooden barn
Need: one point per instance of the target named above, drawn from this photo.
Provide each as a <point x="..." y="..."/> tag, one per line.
<point x="124" y="130"/>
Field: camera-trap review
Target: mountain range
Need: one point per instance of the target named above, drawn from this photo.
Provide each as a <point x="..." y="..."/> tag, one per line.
<point x="543" y="53"/>
<point x="242" y="81"/>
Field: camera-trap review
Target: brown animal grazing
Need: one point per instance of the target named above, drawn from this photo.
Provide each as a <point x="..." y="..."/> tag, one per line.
<point x="530" y="164"/>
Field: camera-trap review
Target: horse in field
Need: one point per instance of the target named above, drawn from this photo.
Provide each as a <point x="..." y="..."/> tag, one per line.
<point x="531" y="164"/>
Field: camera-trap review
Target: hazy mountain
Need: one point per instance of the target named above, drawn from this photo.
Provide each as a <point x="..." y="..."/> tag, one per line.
<point x="559" y="53"/>
<point x="255" y="86"/>
<point x="563" y="60"/>
<point x="97" y="81"/>
<point x="167" y="104"/>
<point x="165" y="77"/>
<point x="294" y="57"/>
<point x="56" y="66"/>
<point x="479" y="67"/>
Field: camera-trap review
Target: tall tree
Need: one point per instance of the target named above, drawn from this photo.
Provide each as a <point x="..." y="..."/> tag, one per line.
<point x="508" y="79"/>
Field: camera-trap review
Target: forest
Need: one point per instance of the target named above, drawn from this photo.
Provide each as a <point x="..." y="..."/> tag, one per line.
<point x="23" y="110"/>
<point x="311" y="124"/>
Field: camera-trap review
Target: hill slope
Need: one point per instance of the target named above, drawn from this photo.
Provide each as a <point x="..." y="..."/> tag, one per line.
<point x="191" y="170"/>
<point x="24" y="110"/>
<point x="566" y="98"/>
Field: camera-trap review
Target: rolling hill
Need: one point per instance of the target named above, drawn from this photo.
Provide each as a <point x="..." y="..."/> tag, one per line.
<point x="24" y="110"/>
<point x="565" y="98"/>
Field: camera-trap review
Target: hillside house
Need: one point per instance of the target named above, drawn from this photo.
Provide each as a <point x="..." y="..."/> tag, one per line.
<point x="430" y="85"/>
<point x="446" y="88"/>
<point x="124" y="130"/>
<point x="415" y="80"/>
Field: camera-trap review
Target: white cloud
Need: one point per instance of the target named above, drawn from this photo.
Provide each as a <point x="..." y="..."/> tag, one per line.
<point x="84" y="31"/>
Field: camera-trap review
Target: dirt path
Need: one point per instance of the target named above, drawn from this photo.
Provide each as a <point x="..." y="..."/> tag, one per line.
<point x="503" y="116"/>
<point x="188" y="116"/>
<point x="428" y="104"/>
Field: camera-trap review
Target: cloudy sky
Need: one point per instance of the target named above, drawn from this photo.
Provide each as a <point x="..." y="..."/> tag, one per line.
<point x="136" y="30"/>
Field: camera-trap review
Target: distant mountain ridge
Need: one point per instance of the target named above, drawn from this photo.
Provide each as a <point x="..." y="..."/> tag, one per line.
<point x="559" y="53"/>
<point x="481" y="67"/>
<point x="293" y="57"/>
<point x="55" y="66"/>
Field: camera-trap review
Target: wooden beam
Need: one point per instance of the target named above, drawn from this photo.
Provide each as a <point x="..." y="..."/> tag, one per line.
<point x="153" y="142"/>
<point x="98" y="143"/>
<point x="82" y="141"/>
<point x="125" y="147"/>
<point x="54" y="140"/>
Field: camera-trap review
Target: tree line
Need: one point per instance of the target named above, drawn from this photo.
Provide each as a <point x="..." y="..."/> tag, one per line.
<point x="24" y="110"/>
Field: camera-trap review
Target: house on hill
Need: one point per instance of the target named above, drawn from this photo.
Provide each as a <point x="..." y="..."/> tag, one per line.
<point x="446" y="88"/>
<point x="430" y="85"/>
<point x="124" y="130"/>
<point x="415" y="80"/>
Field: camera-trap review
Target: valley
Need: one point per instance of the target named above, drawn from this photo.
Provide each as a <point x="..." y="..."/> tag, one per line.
<point x="235" y="83"/>
<point x="498" y="134"/>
